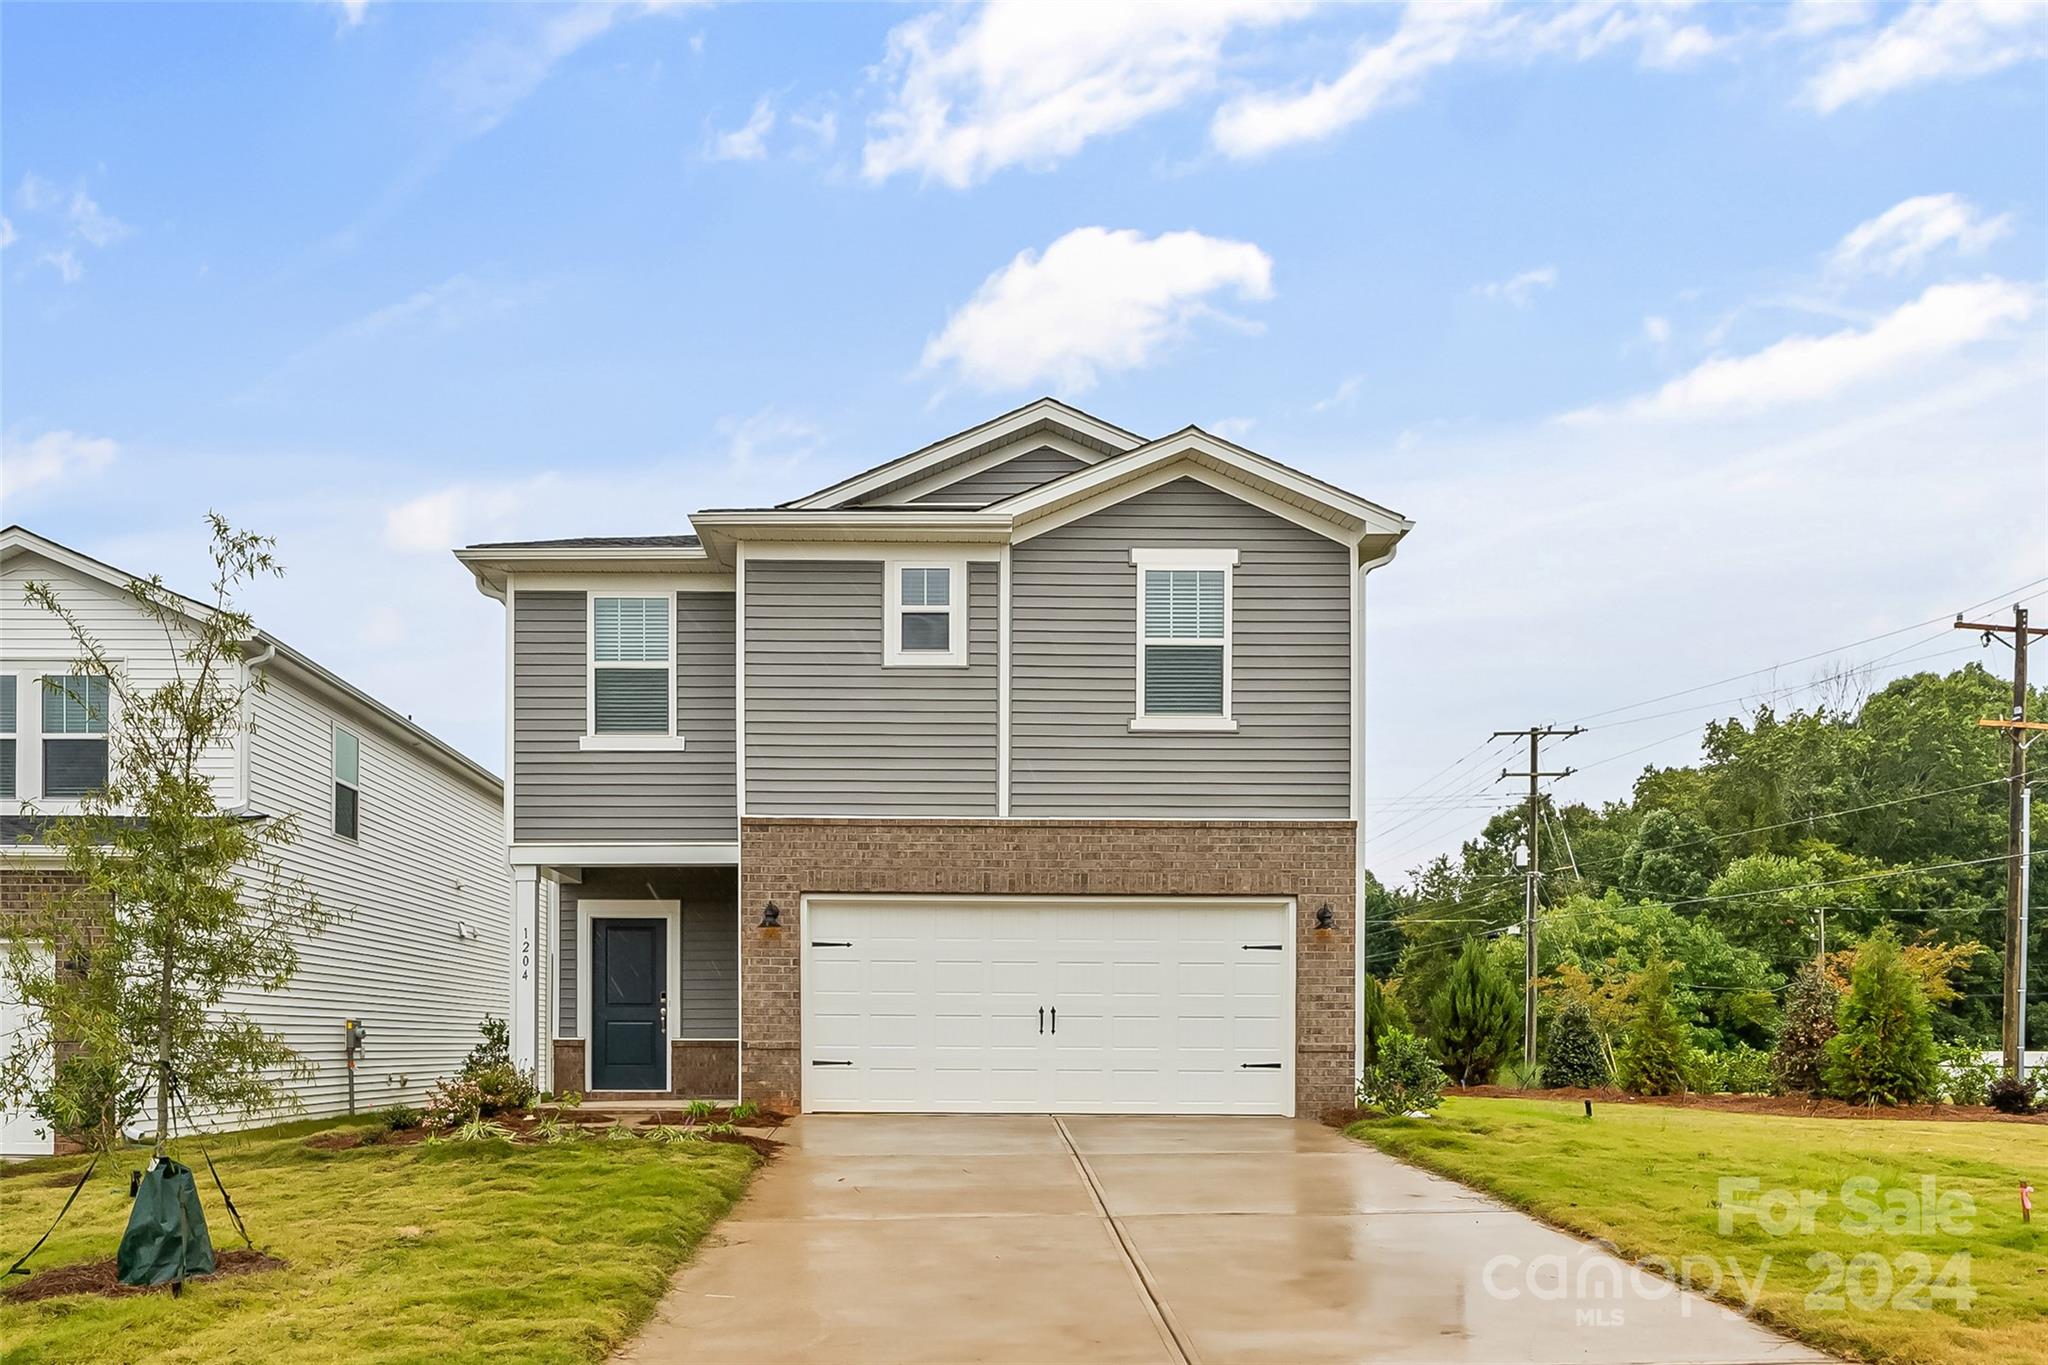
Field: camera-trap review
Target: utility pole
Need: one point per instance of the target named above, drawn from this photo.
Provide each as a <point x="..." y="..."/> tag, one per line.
<point x="1536" y="735"/>
<point x="2020" y="731"/>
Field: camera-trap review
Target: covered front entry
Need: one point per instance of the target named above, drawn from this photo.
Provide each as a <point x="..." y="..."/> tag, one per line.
<point x="1043" y="1005"/>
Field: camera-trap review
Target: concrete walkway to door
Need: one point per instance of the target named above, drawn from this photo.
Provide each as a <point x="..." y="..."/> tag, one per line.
<point x="882" y="1238"/>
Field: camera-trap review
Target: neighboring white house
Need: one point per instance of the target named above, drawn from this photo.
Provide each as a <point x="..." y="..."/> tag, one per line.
<point x="398" y="832"/>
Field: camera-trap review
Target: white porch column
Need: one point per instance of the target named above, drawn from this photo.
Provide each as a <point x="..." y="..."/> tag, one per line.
<point x="525" y="1010"/>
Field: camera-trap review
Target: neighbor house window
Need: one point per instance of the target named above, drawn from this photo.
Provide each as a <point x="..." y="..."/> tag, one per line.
<point x="7" y="778"/>
<point x="75" y="734"/>
<point x="631" y="666"/>
<point x="1184" y="639"/>
<point x="348" y="780"/>
<point x="924" y="622"/>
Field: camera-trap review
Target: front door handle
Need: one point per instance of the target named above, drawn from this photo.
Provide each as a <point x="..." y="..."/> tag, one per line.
<point x="664" y="1014"/>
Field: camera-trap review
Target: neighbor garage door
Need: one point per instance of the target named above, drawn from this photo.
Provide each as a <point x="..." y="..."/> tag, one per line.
<point x="1176" y="1006"/>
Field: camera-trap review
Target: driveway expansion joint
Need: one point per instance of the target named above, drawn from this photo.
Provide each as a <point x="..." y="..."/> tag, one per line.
<point x="1169" y="1329"/>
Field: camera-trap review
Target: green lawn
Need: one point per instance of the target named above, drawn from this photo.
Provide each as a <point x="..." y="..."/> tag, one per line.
<point x="1648" y="1178"/>
<point x="444" y="1252"/>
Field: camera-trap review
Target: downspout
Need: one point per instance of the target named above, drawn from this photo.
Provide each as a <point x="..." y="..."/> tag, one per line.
<point x="247" y="739"/>
<point x="1358" y="857"/>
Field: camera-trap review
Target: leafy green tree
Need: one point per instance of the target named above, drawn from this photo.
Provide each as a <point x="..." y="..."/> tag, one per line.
<point x="1728" y="994"/>
<point x="1801" y="1052"/>
<point x="179" y="902"/>
<point x="1672" y="858"/>
<point x="1478" y="1016"/>
<point x="1883" y="1048"/>
<point x="1653" y="1055"/>
<point x="1573" y="1056"/>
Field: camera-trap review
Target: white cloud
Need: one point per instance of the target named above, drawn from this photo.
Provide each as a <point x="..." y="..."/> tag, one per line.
<point x="1520" y="290"/>
<point x="1906" y="234"/>
<point x="769" y="440"/>
<point x="353" y="12"/>
<point x="1095" y="300"/>
<point x="825" y="127"/>
<point x="6" y="232"/>
<point x="1233" y="428"/>
<point x="65" y="262"/>
<point x="1341" y="397"/>
<point x="92" y="222"/>
<point x="1432" y="34"/>
<point x="747" y="143"/>
<point x="490" y="79"/>
<point x="1020" y="83"/>
<point x="53" y="457"/>
<point x="1932" y="40"/>
<point x="462" y="513"/>
<point x="1657" y="330"/>
<point x="1808" y="369"/>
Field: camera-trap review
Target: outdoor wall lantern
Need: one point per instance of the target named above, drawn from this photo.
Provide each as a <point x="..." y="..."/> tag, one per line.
<point x="771" y="918"/>
<point x="1326" y="920"/>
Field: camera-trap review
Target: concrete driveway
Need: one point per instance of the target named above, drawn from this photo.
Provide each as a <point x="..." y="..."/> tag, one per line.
<point x="1033" y="1239"/>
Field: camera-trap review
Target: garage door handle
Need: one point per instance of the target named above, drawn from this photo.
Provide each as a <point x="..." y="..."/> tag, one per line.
<point x="1055" y="1018"/>
<point x="817" y="1062"/>
<point x="1041" y="1018"/>
<point x="1261" y="1066"/>
<point x="1254" y="947"/>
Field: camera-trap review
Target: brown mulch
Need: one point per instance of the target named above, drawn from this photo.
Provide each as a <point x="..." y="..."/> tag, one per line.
<point x="103" y="1278"/>
<point x="593" y="1120"/>
<point x="1793" y="1106"/>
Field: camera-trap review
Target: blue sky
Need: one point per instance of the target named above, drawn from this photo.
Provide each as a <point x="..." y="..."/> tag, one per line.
<point x="1694" y="339"/>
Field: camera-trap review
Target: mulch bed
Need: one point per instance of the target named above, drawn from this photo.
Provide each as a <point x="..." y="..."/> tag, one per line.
<point x="594" y="1121"/>
<point x="102" y="1278"/>
<point x="1792" y="1106"/>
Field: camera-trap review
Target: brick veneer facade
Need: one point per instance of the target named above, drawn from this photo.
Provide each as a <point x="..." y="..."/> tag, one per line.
<point x="784" y="860"/>
<point x="697" y="1070"/>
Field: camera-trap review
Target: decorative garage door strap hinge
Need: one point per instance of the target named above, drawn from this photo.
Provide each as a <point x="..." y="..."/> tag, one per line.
<point x="829" y="943"/>
<point x="816" y="1061"/>
<point x="1260" y="1066"/>
<point x="1263" y="947"/>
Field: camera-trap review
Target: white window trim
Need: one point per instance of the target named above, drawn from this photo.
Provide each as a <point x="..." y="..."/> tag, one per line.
<point x="29" y="736"/>
<point x="955" y="653"/>
<point x="1144" y="558"/>
<point x="638" y="741"/>
<point x="335" y="730"/>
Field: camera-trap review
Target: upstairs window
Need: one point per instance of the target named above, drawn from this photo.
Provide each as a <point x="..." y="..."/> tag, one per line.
<point x="631" y="666"/>
<point x="348" y="767"/>
<point x="924" y="622"/>
<point x="7" y="736"/>
<point x="75" y="734"/>
<point x="1184" y="639"/>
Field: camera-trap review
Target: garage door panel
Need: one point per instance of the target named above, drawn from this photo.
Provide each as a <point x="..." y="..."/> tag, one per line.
<point x="936" y="1005"/>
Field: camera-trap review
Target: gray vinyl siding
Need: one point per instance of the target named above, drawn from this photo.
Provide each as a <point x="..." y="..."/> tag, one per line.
<point x="562" y="793"/>
<point x="709" y="994"/>
<point x="1011" y="477"/>
<point x="1073" y="671"/>
<point x="830" y="731"/>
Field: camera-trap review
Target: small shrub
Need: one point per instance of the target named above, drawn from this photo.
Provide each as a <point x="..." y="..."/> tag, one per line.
<point x="1744" y="1070"/>
<point x="1702" y="1071"/>
<point x="619" y="1132"/>
<point x="454" y="1102"/>
<point x="745" y="1111"/>
<point x="1573" y="1056"/>
<point x="1883" y="1052"/>
<point x="1653" y="1057"/>
<point x="669" y="1133"/>
<point x="696" y="1111"/>
<point x="1380" y="1013"/>
<point x="570" y="1099"/>
<point x="502" y="1086"/>
<point x="553" y="1129"/>
<point x="494" y="1050"/>
<point x="400" y="1117"/>
<point x="1966" y="1076"/>
<point x="2008" y="1094"/>
<point x="1404" y="1080"/>
<point x="481" y="1130"/>
<point x="1810" y="1011"/>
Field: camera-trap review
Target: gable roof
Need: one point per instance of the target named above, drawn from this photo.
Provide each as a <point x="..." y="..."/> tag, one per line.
<point x="18" y="540"/>
<point x="1019" y="424"/>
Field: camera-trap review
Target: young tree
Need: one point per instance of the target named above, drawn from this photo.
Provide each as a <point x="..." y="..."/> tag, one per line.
<point x="1652" y="1060"/>
<point x="1810" y="1009"/>
<point x="178" y="901"/>
<point x="1478" y="1017"/>
<point x="1380" y="1012"/>
<point x="1883" y="1049"/>
<point x="1574" y="1056"/>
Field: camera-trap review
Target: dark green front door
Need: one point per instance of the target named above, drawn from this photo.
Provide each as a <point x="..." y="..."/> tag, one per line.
<point x="629" y="1004"/>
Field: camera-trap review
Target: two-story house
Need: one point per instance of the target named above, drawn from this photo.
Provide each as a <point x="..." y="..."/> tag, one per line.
<point x="1021" y="773"/>
<point x="399" y="835"/>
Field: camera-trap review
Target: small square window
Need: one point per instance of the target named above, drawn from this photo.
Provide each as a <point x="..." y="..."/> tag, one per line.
<point x="920" y="622"/>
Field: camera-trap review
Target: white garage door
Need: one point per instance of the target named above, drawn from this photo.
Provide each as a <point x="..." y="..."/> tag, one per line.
<point x="937" y="1005"/>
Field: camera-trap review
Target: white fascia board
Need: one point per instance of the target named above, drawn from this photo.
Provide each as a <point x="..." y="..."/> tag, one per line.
<point x="624" y="854"/>
<point x="869" y="526"/>
<point x="490" y="567"/>
<point x="971" y="552"/>
<point x="908" y="466"/>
